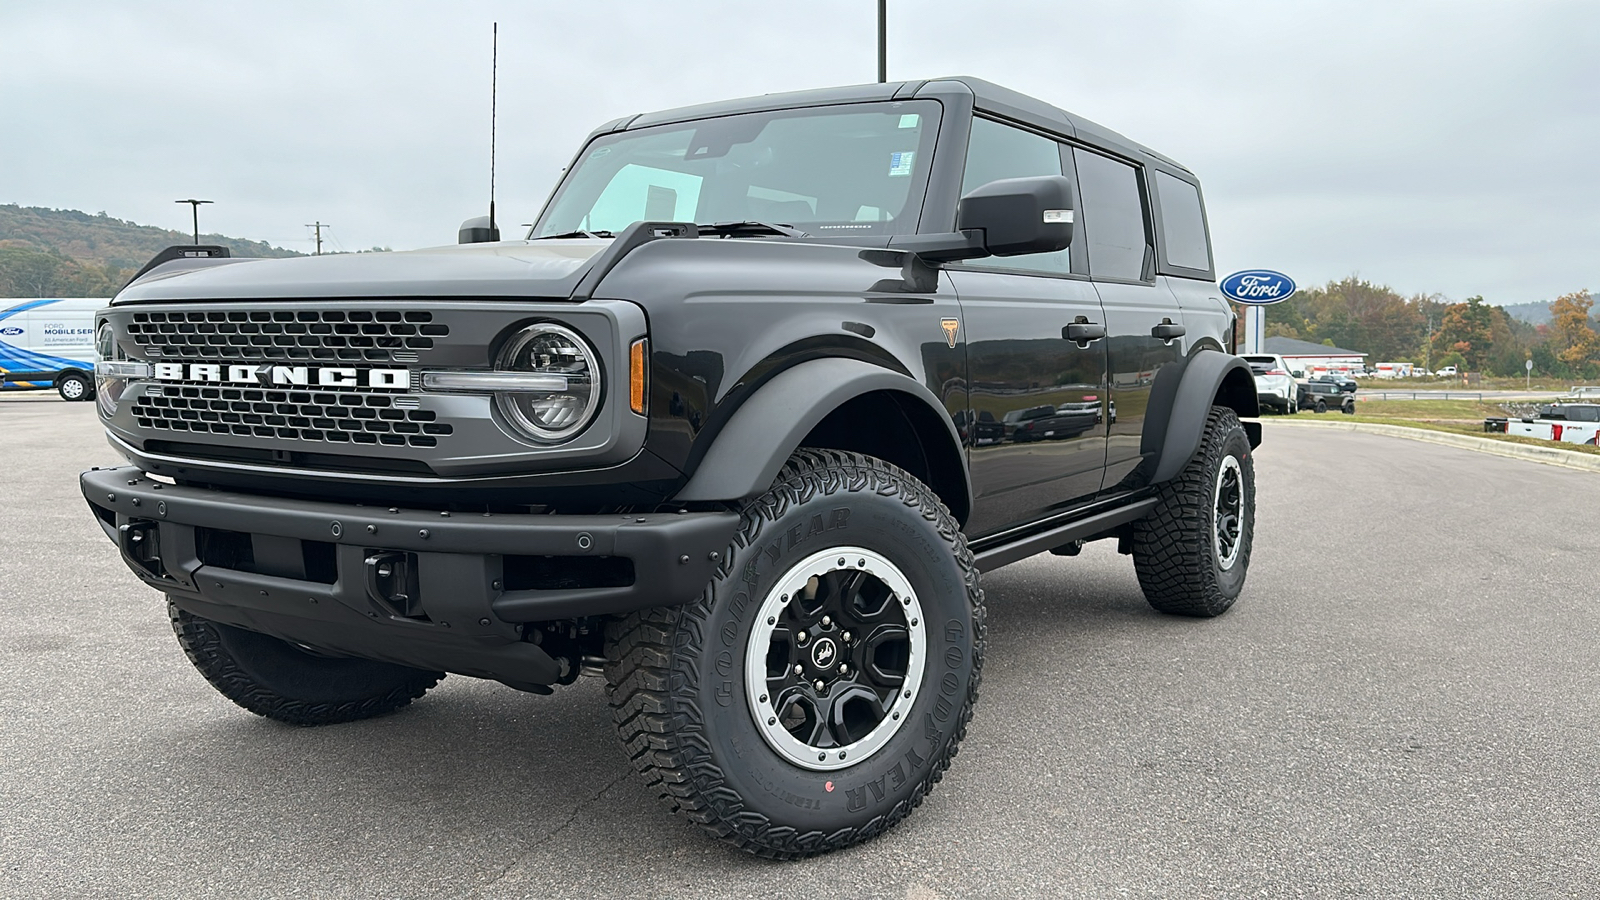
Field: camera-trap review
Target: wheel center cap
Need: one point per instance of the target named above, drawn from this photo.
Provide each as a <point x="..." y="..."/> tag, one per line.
<point x="824" y="652"/>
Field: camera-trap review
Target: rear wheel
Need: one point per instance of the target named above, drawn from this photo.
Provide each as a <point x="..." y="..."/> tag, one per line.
<point x="278" y="680"/>
<point x="1192" y="551"/>
<point x="820" y="686"/>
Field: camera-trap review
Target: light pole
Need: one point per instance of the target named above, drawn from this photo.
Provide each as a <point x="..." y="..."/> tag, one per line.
<point x="196" y="205"/>
<point x="883" y="41"/>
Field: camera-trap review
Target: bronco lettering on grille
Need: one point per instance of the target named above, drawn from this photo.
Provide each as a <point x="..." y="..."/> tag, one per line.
<point x="304" y="376"/>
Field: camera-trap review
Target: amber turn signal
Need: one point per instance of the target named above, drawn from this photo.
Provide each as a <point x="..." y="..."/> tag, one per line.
<point x="637" y="376"/>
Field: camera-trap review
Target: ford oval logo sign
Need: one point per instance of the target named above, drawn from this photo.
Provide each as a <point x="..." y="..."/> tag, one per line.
<point x="1258" y="287"/>
<point x="10" y="331"/>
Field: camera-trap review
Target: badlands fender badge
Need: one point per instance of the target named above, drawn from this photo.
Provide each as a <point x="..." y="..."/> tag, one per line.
<point x="950" y="326"/>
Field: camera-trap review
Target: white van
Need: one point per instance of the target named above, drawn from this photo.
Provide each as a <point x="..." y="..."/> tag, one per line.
<point x="49" y="343"/>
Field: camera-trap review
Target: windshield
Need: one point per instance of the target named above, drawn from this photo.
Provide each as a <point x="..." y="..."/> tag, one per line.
<point x="856" y="169"/>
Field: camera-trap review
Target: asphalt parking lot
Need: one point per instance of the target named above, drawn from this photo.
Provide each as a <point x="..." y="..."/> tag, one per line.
<point x="1403" y="704"/>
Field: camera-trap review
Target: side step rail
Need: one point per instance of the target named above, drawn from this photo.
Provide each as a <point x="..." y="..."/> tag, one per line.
<point x="992" y="558"/>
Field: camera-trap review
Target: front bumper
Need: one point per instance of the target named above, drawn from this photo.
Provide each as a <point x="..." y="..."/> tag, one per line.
<point x="460" y="587"/>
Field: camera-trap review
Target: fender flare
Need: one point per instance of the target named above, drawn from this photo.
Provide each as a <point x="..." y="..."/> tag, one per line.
<point x="1182" y="398"/>
<point x="746" y="454"/>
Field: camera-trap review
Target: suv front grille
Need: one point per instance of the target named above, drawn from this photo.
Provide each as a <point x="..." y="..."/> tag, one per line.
<point x="306" y="334"/>
<point x="340" y="418"/>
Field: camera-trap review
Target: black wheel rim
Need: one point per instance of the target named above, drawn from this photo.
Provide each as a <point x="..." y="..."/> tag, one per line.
<point x="1227" y="529"/>
<point x="835" y="658"/>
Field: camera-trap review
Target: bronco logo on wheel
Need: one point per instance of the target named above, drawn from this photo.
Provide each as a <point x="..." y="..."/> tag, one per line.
<point x="823" y="653"/>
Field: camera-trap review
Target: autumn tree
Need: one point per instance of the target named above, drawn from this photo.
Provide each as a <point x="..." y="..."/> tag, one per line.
<point x="1468" y="329"/>
<point x="1576" y="344"/>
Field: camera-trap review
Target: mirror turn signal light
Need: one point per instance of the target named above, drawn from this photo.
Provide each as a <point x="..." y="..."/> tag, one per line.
<point x="638" y="375"/>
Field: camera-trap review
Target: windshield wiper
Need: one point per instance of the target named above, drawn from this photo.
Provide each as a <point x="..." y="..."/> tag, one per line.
<point x="735" y="229"/>
<point x="576" y="234"/>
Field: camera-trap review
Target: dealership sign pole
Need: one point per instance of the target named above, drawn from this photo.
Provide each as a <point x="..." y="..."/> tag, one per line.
<point x="1256" y="289"/>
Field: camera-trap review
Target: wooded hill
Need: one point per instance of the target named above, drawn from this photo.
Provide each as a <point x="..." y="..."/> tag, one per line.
<point x="67" y="253"/>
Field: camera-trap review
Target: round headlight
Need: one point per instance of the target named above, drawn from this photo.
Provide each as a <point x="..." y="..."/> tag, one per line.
<point x="559" y="414"/>
<point x="107" y="390"/>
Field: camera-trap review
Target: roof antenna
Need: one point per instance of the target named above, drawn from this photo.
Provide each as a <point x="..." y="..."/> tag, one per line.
<point x="494" y="96"/>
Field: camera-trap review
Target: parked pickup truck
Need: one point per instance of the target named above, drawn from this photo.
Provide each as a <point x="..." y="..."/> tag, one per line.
<point x="1570" y="423"/>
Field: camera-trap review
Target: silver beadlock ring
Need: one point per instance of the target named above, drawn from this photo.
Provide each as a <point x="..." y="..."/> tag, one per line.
<point x="786" y="590"/>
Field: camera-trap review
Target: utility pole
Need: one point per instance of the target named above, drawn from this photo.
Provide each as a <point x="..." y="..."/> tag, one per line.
<point x="883" y="41"/>
<point x="196" y="205"/>
<point x="318" y="226"/>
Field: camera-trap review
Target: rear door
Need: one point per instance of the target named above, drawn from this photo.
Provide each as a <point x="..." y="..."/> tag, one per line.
<point x="1116" y="225"/>
<point x="1015" y="311"/>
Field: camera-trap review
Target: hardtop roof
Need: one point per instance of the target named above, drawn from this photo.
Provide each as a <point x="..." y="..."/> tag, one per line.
<point x="987" y="96"/>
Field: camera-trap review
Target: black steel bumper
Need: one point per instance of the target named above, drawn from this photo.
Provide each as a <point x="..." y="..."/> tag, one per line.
<point x="458" y="587"/>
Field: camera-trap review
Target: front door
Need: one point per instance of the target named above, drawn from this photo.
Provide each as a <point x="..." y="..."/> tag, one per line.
<point x="1044" y="392"/>
<point x="1037" y="399"/>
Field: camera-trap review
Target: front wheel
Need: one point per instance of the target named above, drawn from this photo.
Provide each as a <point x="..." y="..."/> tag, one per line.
<point x="820" y="686"/>
<point x="1192" y="551"/>
<point x="278" y="680"/>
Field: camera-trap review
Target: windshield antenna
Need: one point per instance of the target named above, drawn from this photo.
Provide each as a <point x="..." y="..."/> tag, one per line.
<point x="494" y="96"/>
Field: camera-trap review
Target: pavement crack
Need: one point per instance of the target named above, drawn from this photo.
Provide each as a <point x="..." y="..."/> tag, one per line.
<point x="533" y="848"/>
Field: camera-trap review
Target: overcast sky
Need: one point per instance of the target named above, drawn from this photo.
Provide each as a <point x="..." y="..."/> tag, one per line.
<point x="1444" y="147"/>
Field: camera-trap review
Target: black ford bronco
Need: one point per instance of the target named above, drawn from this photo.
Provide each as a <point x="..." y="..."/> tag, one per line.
<point x="710" y="429"/>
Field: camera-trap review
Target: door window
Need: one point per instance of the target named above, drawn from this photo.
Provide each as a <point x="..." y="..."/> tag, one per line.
<point x="998" y="151"/>
<point x="1113" y="216"/>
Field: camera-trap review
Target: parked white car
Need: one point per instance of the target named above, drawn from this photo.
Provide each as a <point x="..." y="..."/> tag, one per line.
<point x="1275" y="387"/>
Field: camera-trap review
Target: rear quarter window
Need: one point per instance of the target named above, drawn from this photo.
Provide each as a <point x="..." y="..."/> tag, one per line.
<point x="1183" y="224"/>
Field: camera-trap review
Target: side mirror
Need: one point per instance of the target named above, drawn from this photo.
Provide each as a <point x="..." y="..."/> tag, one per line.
<point x="1020" y="215"/>
<point x="477" y="231"/>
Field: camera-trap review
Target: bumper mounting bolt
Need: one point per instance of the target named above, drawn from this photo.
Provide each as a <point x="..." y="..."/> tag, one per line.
<point x="714" y="556"/>
<point x="484" y="622"/>
<point x="494" y="585"/>
<point x="111" y="497"/>
<point x="683" y="560"/>
<point x="422" y="533"/>
<point x="372" y="529"/>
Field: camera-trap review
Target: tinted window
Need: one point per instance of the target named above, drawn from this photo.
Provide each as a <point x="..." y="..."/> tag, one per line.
<point x="1183" y="226"/>
<point x="999" y="151"/>
<point x="1113" y="216"/>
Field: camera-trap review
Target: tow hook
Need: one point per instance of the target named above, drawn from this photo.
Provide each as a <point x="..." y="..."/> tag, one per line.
<point x="392" y="583"/>
<point x="141" y="544"/>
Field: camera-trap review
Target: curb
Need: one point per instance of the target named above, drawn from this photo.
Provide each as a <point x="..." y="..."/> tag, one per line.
<point x="1548" y="455"/>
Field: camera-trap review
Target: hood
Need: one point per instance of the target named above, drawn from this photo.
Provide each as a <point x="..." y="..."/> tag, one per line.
<point x="511" y="269"/>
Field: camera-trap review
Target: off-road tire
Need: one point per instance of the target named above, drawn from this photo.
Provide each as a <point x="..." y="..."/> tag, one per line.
<point x="278" y="680"/>
<point x="1321" y="406"/>
<point x="74" y="388"/>
<point x="680" y="702"/>
<point x="1174" y="551"/>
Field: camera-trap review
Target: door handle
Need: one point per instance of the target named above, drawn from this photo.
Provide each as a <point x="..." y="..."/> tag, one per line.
<point x="1083" y="332"/>
<point x="1168" y="332"/>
